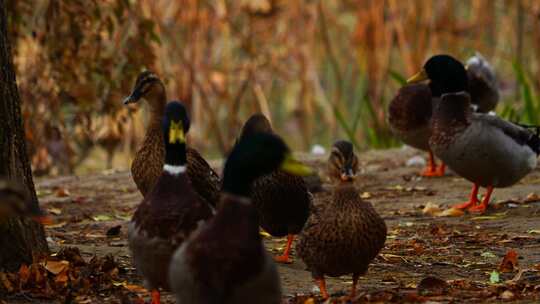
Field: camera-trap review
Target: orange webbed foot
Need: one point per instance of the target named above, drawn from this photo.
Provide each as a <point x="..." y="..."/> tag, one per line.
<point x="482" y="207"/>
<point x="285" y="259"/>
<point x="465" y="205"/>
<point x="156" y="297"/>
<point x="322" y="287"/>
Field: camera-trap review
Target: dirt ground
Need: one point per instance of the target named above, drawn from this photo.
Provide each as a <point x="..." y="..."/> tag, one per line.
<point x="426" y="257"/>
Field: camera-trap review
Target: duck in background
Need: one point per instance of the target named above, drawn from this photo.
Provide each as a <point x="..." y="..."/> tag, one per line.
<point x="411" y="109"/>
<point x="148" y="163"/>
<point x="485" y="149"/>
<point x="282" y="200"/>
<point x="346" y="233"/>
<point x="225" y="261"/>
<point x="15" y="202"/>
<point x="483" y="84"/>
<point x="170" y="211"/>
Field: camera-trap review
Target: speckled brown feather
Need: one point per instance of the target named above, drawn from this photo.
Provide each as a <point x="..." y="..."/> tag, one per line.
<point x="149" y="160"/>
<point x="411" y="108"/>
<point x="164" y="219"/>
<point x="342" y="237"/>
<point x="282" y="201"/>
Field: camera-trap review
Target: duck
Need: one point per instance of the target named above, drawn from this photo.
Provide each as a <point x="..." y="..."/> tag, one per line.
<point x="225" y="261"/>
<point x="346" y="233"/>
<point x="282" y="200"/>
<point x="409" y="112"/>
<point x="149" y="159"/>
<point x="170" y="211"/>
<point x="15" y="202"/>
<point x="485" y="149"/>
<point x="483" y="84"/>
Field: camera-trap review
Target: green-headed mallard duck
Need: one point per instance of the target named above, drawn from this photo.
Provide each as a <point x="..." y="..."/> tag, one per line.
<point x="346" y="234"/>
<point x="170" y="211"/>
<point x="282" y="199"/>
<point x="483" y="85"/>
<point x="411" y="109"/>
<point x="225" y="261"/>
<point x="148" y="163"/>
<point x="15" y="202"/>
<point x="482" y="148"/>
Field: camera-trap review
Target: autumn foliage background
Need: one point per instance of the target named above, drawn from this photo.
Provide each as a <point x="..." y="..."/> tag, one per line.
<point x="319" y="69"/>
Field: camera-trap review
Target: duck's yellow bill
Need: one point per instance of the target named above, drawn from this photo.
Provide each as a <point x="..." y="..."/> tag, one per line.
<point x="293" y="166"/>
<point x="420" y="76"/>
<point x="176" y="133"/>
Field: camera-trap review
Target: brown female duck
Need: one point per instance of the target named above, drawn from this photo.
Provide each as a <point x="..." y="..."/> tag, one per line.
<point x="346" y="234"/>
<point x="225" y="261"/>
<point x="282" y="199"/>
<point x="170" y="211"/>
<point x="148" y="163"/>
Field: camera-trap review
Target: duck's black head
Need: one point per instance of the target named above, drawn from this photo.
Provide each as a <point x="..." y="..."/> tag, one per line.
<point x="175" y="127"/>
<point x="147" y="84"/>
<point x="254" y="156"/>
<point x="257" y="123"/>
<point x="446" y="75"/>
<point x="343" y="162"/>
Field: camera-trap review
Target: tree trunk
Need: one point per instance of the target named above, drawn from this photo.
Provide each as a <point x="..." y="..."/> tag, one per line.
<point x="20" y="239"/>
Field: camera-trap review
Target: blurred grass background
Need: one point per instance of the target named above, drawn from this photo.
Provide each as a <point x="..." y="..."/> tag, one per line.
<point x="320" y="70"/>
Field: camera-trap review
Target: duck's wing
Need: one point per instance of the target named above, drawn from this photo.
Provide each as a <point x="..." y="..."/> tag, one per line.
<point x="204" y="179"/>
<point x="519" y="134"/>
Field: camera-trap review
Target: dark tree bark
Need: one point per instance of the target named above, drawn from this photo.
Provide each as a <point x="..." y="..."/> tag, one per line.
<point x="20" y="239"/>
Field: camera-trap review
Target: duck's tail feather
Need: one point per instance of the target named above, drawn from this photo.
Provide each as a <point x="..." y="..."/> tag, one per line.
<point x="534" y="139"/>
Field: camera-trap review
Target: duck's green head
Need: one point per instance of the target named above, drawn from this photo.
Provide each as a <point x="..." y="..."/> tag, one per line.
<point x="175" y="127"/>
<point x="446" y="75"/>
<point x="147" y="85"/>
<point x="257" y="155"/>
<point x="257" y="123"/>
<point x="343" y="162"/>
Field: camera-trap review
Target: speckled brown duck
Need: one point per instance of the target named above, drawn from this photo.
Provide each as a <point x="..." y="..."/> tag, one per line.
<point x="225" y="260"/>
<point x="484" y="149"/>
<point x="346" y="233"/>
<point x="170" y="211"/>
<point x="148" y="163"/>
<point x="282" y="199"/>
<point x="411" y="109"/>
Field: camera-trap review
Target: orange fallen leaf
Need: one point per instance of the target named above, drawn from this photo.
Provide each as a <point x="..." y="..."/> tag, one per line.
<point x="6" y="283"/>
<point x="62" y="277"/>
<point x="62" y="192"/>
<point x="509" y="262"/>
<point x="451" y="212"/>
<point x="135" y="288"/>
<point x="56" y="267"/>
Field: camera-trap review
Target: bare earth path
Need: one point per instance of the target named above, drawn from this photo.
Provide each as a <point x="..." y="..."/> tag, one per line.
<point x="463" y="251"/>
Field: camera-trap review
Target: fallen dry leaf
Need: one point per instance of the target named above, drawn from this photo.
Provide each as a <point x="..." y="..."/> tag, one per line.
<point x="451" y="212"/>
<point x="61" y="192"/>
<point x="431" y="209"/>
<point x="56" y="267"/>
<point x="509" y="262"/>
<point x="55" y="211"/>
<point x="6" y="282"/>
<point x="532" y="197"/>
